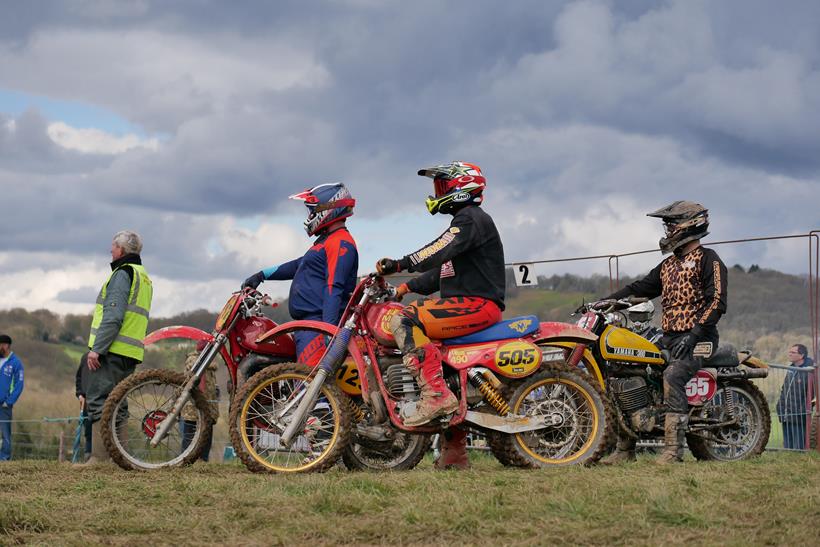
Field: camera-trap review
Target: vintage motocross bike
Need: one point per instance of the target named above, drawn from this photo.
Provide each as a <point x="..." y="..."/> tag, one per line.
<point x="290" y="418"/>
<point x="146" y="434"/>
<point x="728" y="415"/>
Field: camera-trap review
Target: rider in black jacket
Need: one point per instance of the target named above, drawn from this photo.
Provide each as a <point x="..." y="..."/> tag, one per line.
<point x="466" y="264"/>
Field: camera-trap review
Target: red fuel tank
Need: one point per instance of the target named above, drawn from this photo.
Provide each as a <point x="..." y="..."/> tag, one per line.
<point x="250" y="329"/>
<point x="378" y="320"/>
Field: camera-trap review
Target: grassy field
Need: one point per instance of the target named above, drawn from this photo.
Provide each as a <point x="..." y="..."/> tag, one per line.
<point x="773" y="500"/>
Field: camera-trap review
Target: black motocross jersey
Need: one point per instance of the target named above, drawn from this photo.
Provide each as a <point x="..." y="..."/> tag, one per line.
<point x="466" y="260"/>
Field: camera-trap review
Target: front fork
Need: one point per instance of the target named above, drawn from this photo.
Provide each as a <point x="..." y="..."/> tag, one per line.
<point x="333" y="357"/>
<point x="197" y="370"/>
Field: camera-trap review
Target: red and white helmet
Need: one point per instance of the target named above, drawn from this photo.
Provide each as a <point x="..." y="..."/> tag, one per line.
<point x="456" y="184"/>
<point x="326" y="204"/>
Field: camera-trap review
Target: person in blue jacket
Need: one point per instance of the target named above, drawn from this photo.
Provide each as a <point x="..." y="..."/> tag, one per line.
<point x="11" y="386"/>
<point x="324" y="278"/>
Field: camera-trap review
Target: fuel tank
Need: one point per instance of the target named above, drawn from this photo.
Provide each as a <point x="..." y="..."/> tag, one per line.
<point x="248" y="330"/>
<point x="378" y="320"/>
<point x="619" y="344"/>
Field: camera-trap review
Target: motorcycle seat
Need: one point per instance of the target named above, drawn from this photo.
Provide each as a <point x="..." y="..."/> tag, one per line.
<point x="512" y="328"/>
<point x="724" y="357"/>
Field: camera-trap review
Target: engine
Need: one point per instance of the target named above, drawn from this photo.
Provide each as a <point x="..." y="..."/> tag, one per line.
<point x="399" y="383"/>
<point x="634" y="398"/>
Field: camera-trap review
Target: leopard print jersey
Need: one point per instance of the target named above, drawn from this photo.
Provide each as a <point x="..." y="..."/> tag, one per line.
<point x="682" y="295"/>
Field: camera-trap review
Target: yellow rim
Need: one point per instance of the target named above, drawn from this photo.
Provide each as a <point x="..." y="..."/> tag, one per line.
<point x="593" y="433"/>
<point x="244" y="430"/>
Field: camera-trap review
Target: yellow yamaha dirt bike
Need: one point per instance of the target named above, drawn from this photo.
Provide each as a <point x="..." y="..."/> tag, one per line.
<point x="728" y="415"/>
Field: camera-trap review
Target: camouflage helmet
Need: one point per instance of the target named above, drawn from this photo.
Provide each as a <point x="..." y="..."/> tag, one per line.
<point x="683" y="221"/>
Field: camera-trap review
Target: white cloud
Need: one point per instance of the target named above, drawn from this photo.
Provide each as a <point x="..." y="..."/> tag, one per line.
<point x="96" y="141"/>
<point x="267" y="245"/>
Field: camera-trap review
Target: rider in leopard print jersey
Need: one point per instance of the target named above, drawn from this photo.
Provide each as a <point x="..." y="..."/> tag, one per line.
<point x="692" y="287"/>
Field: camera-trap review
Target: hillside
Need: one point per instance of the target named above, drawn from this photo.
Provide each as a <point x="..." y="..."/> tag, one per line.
<point x="768" y="310"/>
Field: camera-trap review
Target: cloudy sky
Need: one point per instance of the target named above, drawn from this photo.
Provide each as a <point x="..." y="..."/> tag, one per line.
<point x="191" y="122"/>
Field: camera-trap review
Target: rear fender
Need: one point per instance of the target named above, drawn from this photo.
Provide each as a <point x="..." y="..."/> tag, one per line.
<point x="747" y="359"/>
<point x="552" y="331"/>
<point x="291" y="326"/>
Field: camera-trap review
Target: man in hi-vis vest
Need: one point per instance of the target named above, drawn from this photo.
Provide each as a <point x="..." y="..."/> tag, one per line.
<point x="118" y="328"/>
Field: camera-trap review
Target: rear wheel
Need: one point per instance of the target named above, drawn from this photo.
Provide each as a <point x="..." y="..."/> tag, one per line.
<point x="134" y="410"/>
<point x="582" y="421"/>
<point x="746" y="438"/>
<point x="263" y="409"/>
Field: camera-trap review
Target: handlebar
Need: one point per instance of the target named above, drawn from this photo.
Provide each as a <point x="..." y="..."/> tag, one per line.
<point x="610" y="305"/>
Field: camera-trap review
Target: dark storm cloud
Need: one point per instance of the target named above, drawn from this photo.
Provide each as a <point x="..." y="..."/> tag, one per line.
<point x="578" y="111"/>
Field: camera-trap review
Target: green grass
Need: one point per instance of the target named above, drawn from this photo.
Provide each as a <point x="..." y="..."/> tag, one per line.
<point x="74" y="351"/>
<point x="774" y="499"/>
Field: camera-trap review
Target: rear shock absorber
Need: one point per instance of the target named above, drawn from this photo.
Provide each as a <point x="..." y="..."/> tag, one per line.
<point x="355" y="410"/>
<point x="729" y="401"/>
<point x="491" y="394"/>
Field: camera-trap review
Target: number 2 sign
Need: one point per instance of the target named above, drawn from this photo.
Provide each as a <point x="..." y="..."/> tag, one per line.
<point x="524" y="276"/>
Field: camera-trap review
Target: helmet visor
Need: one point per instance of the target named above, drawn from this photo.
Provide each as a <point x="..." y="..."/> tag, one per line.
<point x="441" y="186"/>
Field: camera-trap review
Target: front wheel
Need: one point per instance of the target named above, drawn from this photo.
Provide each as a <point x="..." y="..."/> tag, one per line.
<point x="134" y="410"/>
<point x="264" y="407"/>
<point x="745" y="438"/>
<point x="582" y="421"/>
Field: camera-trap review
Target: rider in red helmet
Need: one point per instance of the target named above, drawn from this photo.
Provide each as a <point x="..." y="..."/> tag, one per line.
<point x="325" y="276"/>
<point x="466" y="264"/>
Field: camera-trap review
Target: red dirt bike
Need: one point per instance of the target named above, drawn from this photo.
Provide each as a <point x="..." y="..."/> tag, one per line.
<point x="535" y="410"/>
<point x="146" y="433"/>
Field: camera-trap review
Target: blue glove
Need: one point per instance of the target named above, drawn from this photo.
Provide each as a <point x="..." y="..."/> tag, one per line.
<point x="254" y="281"/>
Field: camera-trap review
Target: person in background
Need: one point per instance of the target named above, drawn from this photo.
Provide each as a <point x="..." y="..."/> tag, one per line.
<point x="791" y="406"/>
<point x="11" y="387"/>
<point x="118" y="328"/>
<point x="80" y="382"/>
<point x="207" y="385"/>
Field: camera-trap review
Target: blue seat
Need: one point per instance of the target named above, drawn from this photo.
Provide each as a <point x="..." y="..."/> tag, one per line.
<point x="513" y="328"/>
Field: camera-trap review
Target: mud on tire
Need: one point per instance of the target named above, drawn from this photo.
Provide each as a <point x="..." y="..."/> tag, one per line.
<point x="752" y="434"/>
<point x="149" y="416"/>
<point x="582" y="439"/>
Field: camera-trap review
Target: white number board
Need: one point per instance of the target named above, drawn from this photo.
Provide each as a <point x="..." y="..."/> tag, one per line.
<point x="525" y="275"/>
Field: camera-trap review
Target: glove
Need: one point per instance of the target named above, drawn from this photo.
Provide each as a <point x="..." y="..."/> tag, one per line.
<point x="387" y="266"/>
<point x="684" y="346"/>
<point x="687" y="343"/>
<point x="254" y="281"/>
<point x="401" y="290"/>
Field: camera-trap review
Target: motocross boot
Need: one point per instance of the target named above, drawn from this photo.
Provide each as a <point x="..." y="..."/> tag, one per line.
<point x="674" y="429"/>
<point x="453" y="450"/>
<point x="436" y="400"/>
<point x="624" y="452"/>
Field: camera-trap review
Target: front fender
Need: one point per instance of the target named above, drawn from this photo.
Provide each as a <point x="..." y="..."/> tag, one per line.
<point x="291" y="326"/>
<point x="178" y="331"/>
